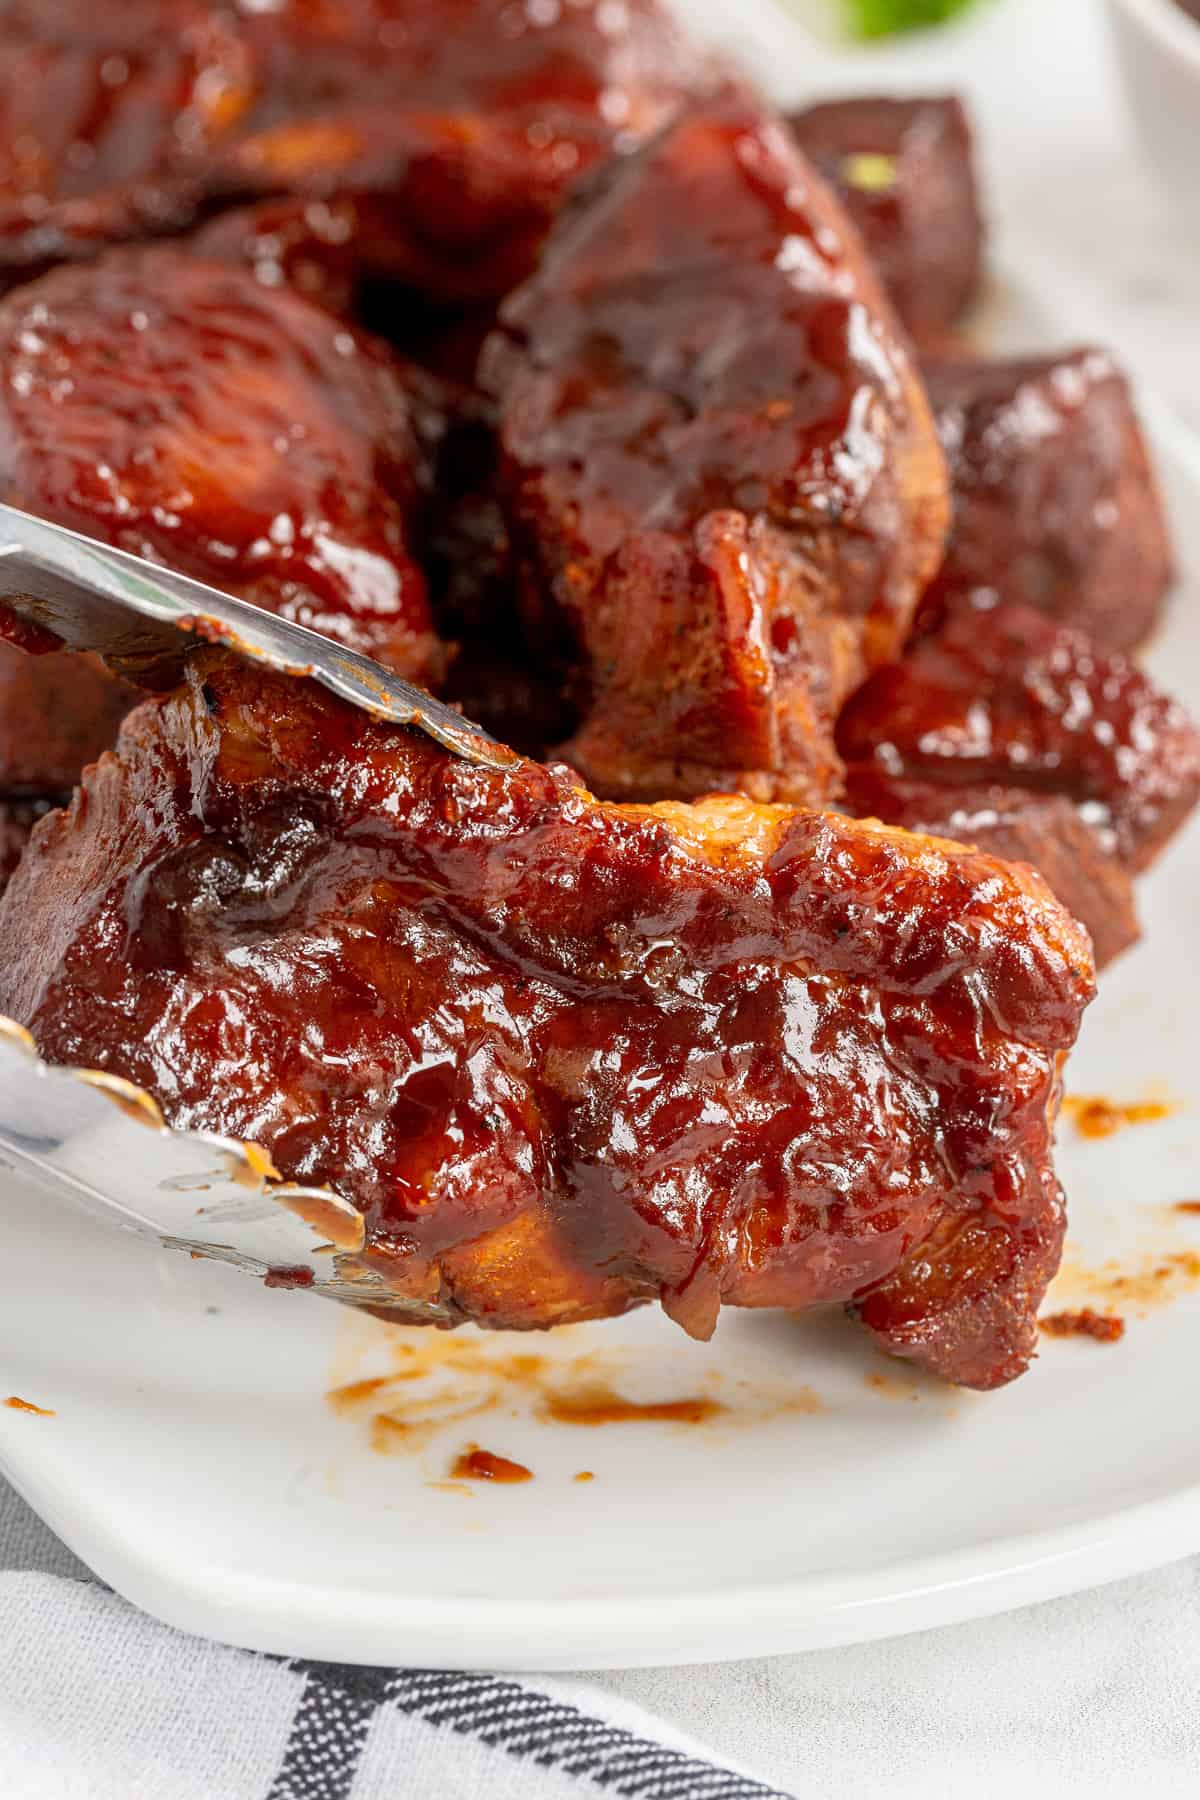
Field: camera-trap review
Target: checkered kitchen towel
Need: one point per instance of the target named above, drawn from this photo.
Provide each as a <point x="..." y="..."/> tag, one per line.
<point x="98" y="1702"/>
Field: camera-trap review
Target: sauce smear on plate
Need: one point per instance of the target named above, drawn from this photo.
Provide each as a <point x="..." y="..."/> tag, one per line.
<point x="598" y="1405"/>
<point x="475" y="1464"/>
<point x="1104" y="1328"/>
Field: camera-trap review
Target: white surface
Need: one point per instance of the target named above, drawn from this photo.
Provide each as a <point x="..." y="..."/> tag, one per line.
<point x="1158" y="49"/>
<point x="1066" y="184"/>
<point x="99" y="1702"/>
<point x="195" y="1464"/>
<point x="1089" y="1698"/>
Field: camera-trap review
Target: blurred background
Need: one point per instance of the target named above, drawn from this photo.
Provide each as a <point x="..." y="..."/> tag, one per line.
<point x="1081" y="225"/>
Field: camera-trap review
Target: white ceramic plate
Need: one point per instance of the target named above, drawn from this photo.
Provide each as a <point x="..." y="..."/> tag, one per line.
<point x="196" y="1463"/>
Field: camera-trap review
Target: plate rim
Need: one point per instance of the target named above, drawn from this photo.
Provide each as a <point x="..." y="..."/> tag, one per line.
<point x="911" y="1593"/>
<point x="321" y="1621"/>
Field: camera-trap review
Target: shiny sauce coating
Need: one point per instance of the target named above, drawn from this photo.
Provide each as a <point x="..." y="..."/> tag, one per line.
<point x="452" y="126"/>
<point x="172" y="407"/>
<point x="1003" y="694"/>
<point x="724" y="483"/>
<point x="567" y="1057"/>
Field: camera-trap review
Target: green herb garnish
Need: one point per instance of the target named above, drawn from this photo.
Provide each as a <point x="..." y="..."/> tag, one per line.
<point x="880" y="18"/>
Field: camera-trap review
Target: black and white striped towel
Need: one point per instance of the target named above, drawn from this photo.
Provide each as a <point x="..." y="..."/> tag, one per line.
<point x="98" y="1702"/>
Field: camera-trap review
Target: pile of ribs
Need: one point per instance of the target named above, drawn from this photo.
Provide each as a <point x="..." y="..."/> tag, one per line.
<point x="528" y="350"/>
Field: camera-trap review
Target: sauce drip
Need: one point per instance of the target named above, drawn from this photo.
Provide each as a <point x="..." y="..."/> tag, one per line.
<point x="1103" y="1328"/>
<point x="599" y="1405"/>
<point x="296" y="1277"/>
<point x="475" y="1464"/>
<point x="19" y="1405"/>
<point x="1155" y="1281"/>
<point x="1095" y="1117"/>
<point x="891" y="1386"/>
<point x="346" y="1399"/>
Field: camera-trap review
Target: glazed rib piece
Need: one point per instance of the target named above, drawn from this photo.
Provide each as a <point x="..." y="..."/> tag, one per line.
<point x="308" y="245"/>
<point x="109" y="116"/>
<point x="1055" y="500"/>
<point x="456" y="125"/>
<point x="173" y="407"/>
<point x="1001" y="694"/>
<point x="1044" y="830"/>
<point x="451" y="127"/>
<point x="568" y="1056"/>
<point x="905" y="172"/>
<point x="1055" y="506"/>
<point x="723" y="482"/>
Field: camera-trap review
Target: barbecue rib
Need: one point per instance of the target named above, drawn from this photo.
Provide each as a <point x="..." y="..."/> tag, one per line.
<point x="451" y="126"/>
<point x="568" y="1056"/>
<point x="175" y="408"/>
<point x="1055" y="500"/>
<point x="905" y="172"/>
<point x="1001" y="694"/>
<point x="456" y="125"/>
<point x="724" y="484"/>
<point x="1045" y="830"/>
<point x="109" y="115"/>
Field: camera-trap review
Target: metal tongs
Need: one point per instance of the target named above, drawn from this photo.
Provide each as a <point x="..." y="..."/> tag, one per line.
<point x="99" y="1139"/>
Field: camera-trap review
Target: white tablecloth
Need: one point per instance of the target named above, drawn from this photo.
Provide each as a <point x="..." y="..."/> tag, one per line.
<point x="1096" y="1697"/>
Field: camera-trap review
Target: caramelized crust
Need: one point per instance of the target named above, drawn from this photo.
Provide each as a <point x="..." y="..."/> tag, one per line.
<point x="454" y="125"/>
<point x="174" y="408"/>
<point x="1055" y="500"/>
<point x="723" y="480"/>
<point x="568" y="1056"/>
<point x="308" y="245"/>
<point x="1044" y="830"/>
<point x="1002" y="694"/>
<point x="109" y="115"/>
<point x="904" y="170"/>
<point x="457" y="124"/>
